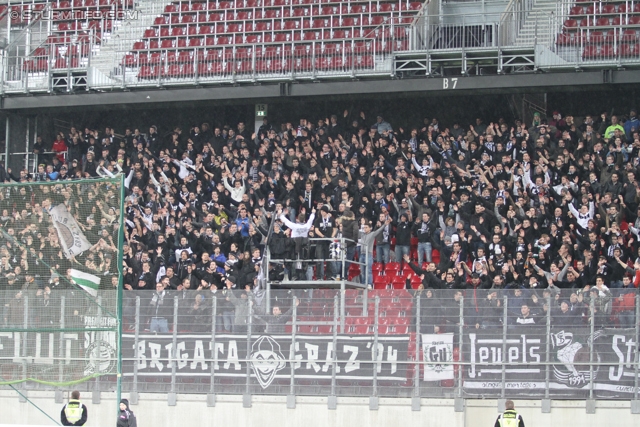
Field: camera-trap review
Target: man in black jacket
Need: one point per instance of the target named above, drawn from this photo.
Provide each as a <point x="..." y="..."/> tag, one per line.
<point x="423" y="230"/>
<point x="403" y="238"/>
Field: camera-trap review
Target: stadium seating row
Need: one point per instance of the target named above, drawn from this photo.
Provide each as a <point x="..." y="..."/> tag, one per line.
<point x="603" y="8"/>
<point x="187" y="25"/>
<point x="287" y="65"/>
<point x="596" y="37"/>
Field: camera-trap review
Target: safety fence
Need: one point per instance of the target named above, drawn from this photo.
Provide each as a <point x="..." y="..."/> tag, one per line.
<point x="60" y="246"/>
<point x="425" y="342"/>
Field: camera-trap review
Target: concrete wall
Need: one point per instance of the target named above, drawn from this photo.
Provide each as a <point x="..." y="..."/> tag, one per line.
<point x="272" y="411"/>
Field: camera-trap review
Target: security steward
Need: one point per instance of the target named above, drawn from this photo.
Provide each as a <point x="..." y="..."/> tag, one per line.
<point x="75" y="412"/>
<point x="510" y="418"/>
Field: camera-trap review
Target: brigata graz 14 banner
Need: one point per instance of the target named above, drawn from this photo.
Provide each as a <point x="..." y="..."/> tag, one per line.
<point x="267" y="356"/>
<point x="570" y="352"/>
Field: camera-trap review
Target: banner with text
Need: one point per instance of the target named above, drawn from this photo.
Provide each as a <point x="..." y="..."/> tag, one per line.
<point x="575" y="359"/>
<point x="268" y="356"/>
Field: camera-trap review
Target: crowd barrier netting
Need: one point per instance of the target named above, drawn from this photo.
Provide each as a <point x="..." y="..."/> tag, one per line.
<point x="60" y="256"/>
<point x="387" y="342"/>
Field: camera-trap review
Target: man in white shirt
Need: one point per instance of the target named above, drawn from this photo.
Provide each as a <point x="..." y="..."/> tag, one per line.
<point x="583" y="215"/>
<point x="300" y="235"/>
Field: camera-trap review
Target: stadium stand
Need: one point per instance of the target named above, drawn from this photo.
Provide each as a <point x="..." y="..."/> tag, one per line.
<point x="210" y="38"/>
<point x="493" y="219"/>
<point x="77" y="27"/>
<point x="601" y="30"/>
<point x="272" y="37"/>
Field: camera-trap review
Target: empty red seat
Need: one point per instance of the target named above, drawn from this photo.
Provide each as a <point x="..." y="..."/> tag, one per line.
<point x="301" y="11"/>
<point x="398" y="282"/>
<point x="149" y="72"/>
<point x="167" y="44"/>
<point x="625" y="50"/>
<point x="602" y="22"/>
<point x="172" y="70"/>
<point x="271" y="14"/>
<point x="629" y="36"/>
<point x="608" y="9"/>
<point x="607" y="51"/>
<point x="363" y="61"/>
<point x="177" y="31"/>
<point x="171" y="57"/>
<point x="380" y="282"/>
<point x="616" y="21"/>
<point x="590" y="52"/>
<point x="563" y="39"/>
<point x="253" y="39"/>
<point x="634" y="20"/>
<point x="596" y="37"/>
<point x="392" y="268"/>
<point x="188" y="70"/>
<point x="610" y="36"/>
<point x="576" y="11"/>
<point x="374" y="20"/>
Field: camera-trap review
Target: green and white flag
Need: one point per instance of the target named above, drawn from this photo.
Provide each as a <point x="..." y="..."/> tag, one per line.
<point x="86" y="281"/>
<point x="72" y="240"/>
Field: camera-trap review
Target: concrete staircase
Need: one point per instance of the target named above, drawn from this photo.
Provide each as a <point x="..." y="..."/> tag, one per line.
<point x="538" y="25"/>
<point x="108" y="56"/>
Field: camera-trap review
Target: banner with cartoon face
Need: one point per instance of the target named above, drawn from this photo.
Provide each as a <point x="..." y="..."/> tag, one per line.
<point x="269" y="357"/>
<point x="574" y="360"/>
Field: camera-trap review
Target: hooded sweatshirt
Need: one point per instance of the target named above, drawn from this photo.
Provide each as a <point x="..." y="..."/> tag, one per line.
<point x="126" y="417"/>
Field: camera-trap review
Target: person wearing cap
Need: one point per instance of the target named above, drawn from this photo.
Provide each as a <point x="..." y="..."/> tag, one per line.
<point x="74" y="413"/>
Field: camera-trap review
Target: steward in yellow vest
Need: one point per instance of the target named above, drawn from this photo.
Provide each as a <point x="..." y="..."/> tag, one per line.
<point x="75" y="412"/>
<point x="510" y="418"/>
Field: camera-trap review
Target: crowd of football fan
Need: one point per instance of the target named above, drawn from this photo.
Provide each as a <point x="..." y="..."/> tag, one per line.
<point x="548" y="208"/>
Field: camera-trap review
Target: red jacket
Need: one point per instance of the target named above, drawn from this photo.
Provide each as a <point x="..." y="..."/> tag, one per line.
<point x="60" y="147"/>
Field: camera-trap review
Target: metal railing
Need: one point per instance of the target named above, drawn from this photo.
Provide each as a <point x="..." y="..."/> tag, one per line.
<point x="127" y="59"/>
<point x="471" y="344"/>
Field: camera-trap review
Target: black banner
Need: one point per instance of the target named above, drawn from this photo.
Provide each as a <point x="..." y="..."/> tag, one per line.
<point x="268" y="356"/>
<point x="569" y="372"/>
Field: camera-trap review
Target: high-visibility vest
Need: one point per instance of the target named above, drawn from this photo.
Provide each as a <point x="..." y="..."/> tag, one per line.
<point x="73" y="411"/>
<point x="509" y="419"/>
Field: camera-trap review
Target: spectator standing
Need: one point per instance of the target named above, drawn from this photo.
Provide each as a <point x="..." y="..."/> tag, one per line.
<point x="510" y="418"/>
<point x="126" y="418"/>
<point x="74" y="413"/>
